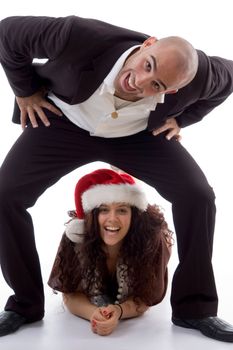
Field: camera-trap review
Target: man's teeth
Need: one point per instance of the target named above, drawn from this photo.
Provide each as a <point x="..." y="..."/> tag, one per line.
<point x="131" y="84"/>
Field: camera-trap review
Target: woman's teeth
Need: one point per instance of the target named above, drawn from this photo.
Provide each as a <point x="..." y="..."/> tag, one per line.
<point x="112" y="228"/>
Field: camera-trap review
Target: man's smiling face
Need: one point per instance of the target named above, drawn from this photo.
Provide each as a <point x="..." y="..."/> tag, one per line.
<point x="153" y="69"/>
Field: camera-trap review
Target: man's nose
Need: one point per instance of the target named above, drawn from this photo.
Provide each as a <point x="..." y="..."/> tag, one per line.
<point x="142" y="81"/>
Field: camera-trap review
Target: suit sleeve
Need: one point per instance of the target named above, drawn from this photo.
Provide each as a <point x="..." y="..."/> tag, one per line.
<point x="218" y="86"/>
<point x="23" y="39"/>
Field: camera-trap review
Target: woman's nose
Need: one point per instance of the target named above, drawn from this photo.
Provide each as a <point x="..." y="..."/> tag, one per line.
<point x="112" y="215"/>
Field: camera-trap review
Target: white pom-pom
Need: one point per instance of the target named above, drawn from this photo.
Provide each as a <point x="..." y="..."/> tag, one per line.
<point x="75" y="230"/>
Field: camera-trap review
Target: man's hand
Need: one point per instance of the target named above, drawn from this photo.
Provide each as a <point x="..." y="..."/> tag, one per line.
<point x="34" y="104"/>
<point x="172" y="127"/>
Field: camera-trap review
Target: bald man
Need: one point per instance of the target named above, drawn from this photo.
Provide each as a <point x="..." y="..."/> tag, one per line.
<point x="108" y="94"/>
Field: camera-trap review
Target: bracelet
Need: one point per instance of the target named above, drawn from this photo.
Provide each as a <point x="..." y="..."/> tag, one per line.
<point x="120" y="309"/>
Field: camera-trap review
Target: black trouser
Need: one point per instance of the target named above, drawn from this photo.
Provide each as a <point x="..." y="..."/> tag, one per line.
<point x="41" y="156"/>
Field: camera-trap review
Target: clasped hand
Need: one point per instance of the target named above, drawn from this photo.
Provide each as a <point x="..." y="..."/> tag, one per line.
<point x="33" y="105"/>
<point x="105" y="319"/>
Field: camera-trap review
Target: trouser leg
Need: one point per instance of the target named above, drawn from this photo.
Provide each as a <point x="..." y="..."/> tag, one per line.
<point x="39" y="158"/>
<point x="169" y="168"/>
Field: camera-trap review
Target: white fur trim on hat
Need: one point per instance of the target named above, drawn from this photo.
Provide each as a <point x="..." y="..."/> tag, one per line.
<point x="75" y="230"/>
<point x="109" y="193"/>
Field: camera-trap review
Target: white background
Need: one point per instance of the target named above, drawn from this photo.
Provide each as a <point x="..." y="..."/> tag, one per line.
<point x="208" y="26"/>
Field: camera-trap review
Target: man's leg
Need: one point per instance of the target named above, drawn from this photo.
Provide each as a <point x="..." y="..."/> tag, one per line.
<point x="39" y="158"/>
<point x="169" y="168"/>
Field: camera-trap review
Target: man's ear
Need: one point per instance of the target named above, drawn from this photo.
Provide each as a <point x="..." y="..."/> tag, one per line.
<point x="149" y="41"/>
<point x="171" y="92"/>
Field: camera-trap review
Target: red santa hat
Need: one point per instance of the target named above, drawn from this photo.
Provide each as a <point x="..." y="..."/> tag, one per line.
<point x="102" y="186"/>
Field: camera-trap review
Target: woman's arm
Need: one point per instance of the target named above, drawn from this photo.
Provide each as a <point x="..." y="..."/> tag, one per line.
<point x="79" y="305"/>
<point x="112" y="313"/>
<point x="103" y="321"/>
<point x="130" y="309"/>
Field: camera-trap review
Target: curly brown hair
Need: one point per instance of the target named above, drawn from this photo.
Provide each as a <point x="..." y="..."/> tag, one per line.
<point x="141" y="251"/>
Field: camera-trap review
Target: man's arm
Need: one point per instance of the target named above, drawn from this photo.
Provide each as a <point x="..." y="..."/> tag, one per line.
<point x="211" y="86"/>
<point x="24" y="38"/>
<point x="21" y="40"/>
<point x="218" y="86"/>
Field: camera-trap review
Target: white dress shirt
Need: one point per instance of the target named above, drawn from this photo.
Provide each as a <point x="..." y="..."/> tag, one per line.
<point x="106" y="115"/>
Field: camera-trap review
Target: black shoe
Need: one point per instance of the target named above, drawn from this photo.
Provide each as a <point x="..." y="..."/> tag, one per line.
<point x="10" y="321"/>
<point x="212" y="327"/>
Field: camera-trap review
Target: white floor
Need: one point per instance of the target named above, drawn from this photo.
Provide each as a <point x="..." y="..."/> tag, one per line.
<point x="60" y="330"/>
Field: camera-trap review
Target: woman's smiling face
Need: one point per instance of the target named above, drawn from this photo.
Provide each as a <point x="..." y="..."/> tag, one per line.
<point x="114" y="221"/>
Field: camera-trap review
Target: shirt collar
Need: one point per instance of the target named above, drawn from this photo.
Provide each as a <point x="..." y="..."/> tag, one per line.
<point x="108" y="83"/>
<point x="152" y="101"/>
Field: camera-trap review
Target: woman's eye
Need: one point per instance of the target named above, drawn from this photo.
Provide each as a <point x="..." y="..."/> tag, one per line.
<point x="123" y="211"/>
<point x="103" y="210"/>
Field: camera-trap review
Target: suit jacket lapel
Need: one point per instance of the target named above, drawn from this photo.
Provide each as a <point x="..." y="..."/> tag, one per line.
<point x="91" y="79"/>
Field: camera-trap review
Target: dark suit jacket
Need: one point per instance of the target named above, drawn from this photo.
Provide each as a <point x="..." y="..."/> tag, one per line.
<point x="81" y="52"/>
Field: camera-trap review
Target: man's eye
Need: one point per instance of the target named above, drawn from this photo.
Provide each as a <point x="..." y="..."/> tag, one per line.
<point x="156" y="85"/>
<point x="148" y="66"/>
